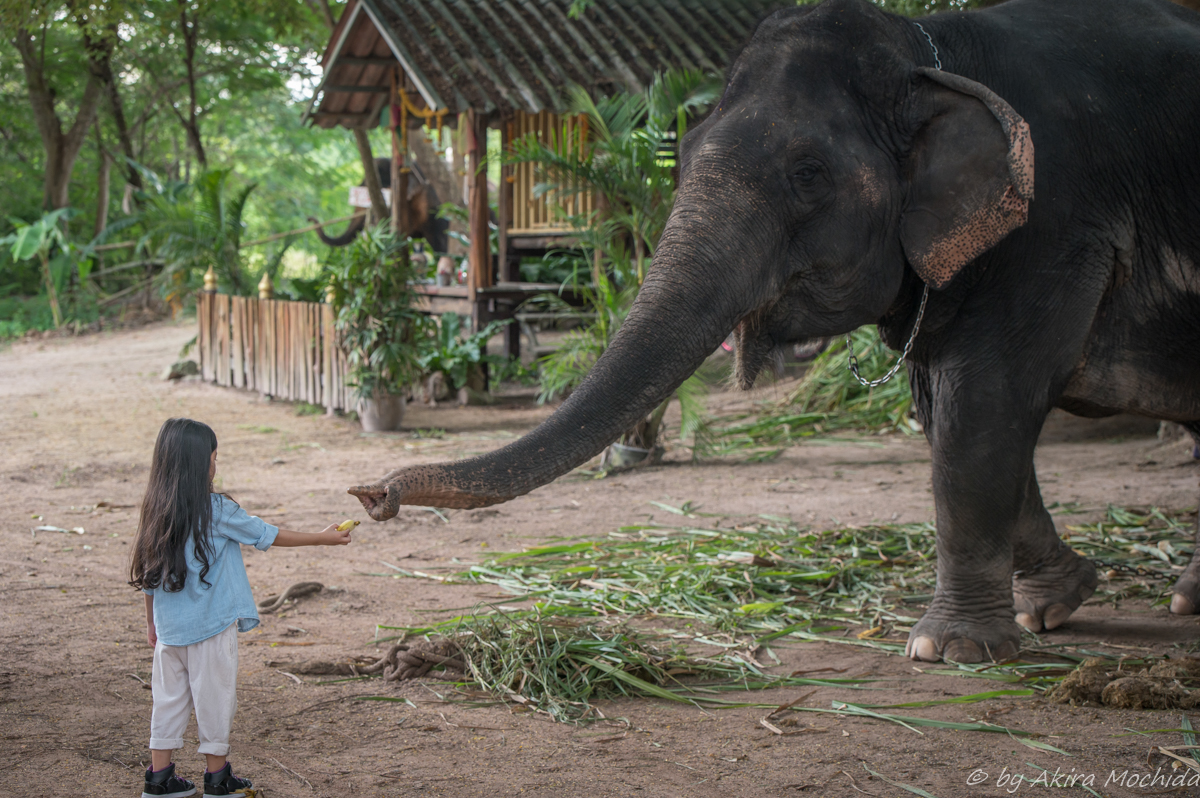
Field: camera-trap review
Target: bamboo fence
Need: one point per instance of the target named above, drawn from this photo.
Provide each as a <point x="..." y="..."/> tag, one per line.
<point x="286" y="350"/>
<point x="563" y="134"/>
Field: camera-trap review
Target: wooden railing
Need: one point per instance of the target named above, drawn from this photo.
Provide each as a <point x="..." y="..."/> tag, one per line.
<point x="286" y="350"/>
<point x="564" y="135"/>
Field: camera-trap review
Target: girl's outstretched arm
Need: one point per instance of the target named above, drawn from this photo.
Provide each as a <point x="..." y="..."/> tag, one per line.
<point x="329" y="536"/>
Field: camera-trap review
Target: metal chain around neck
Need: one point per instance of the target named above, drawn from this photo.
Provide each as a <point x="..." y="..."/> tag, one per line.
<point x="853" y="362"/>
<point x="937" y="62"/>
<point x="903" y="355"/>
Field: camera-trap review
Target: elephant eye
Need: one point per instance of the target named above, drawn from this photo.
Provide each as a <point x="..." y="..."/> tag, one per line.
<point x="806" y="173"/>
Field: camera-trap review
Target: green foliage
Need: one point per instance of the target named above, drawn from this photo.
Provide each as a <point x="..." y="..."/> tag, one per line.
<point x="188" y="227"/>
<point x="253" y="62"/>
<point x="18" y="315"/>
<point x="453" y="212"/>
<point x="302" y="289"/>
<point x="307" y="409"/>
<point x="563" y="369"/>
<point x="381" y="330"/>
<point x="556" y="266"/>
<point x="455" y="353"/>
<point x="38" y="240"/>
<point x="920" y="8"/>
<point x="828" y="399"/>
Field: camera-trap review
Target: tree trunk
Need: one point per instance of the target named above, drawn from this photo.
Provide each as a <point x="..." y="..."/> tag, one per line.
<point x="117" y="106"/>
<point x="370" y="176"/>
<point x="191" y="123"/>
<point x="61" y="148"/>
<point x="102" y="187"/>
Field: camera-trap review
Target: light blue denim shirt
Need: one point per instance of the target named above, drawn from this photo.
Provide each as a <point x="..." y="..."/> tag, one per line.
<point x="200" y="611"/>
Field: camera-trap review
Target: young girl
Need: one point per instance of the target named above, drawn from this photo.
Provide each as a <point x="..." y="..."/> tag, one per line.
<point x="188" y="561"/>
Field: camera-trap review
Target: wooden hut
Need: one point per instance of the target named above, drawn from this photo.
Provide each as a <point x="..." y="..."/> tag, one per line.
<point x="507" y="64"/>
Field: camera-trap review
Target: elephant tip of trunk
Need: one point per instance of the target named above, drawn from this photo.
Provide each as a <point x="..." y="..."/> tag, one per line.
<point x="380" y="501"/>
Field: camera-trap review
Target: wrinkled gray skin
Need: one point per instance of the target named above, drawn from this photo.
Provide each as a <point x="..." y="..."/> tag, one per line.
<point x="839" y="174"/>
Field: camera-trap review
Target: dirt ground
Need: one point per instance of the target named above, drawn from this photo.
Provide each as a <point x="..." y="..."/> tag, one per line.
<point x="79" y="417"/>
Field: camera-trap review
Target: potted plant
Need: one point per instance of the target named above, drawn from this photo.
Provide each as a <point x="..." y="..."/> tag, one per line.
<point x="380" y="328"/>
<point x="457" y="357"/>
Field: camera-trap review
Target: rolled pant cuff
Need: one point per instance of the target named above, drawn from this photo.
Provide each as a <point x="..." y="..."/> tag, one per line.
<point x="165" y="743"/>
<point x="216" y="749"/>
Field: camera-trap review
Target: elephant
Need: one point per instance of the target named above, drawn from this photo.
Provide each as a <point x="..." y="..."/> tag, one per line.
<point x="423" y="203"/>
<point x="866" y="168"/>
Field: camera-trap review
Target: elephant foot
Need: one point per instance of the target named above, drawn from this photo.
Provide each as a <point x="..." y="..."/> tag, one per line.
<point x="1186" y="600"/>
<point x="942" y="636"/>
<point x="1047" y="593"/>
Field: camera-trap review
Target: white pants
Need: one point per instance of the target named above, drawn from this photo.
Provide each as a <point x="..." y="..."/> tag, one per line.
<point x="202" y="675"/>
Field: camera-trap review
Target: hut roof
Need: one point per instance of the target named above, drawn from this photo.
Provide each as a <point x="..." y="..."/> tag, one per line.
<point x="507" y="55"/>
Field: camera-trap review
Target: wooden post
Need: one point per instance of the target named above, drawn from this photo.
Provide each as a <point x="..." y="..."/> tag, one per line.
<point x="504" y="203"/>
<point x="370" y="176"/>
<point x="399" y="126"/>
<point x="204" y="310"/>
<point x="507" y="265"/>
<point x="397" y="156"/>
<point x="479" y="273"/>
<point x="237" y="348"/>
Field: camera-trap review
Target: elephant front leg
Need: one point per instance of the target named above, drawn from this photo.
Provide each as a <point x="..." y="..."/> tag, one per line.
<point x="1050" y="581"/>
<point x="982" y="465"/>
<point x="971" y="616"/>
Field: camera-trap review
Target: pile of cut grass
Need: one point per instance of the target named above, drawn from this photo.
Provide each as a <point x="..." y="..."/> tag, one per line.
<point x="828" y="399"/>
<point x="562" y="666"/>
<point x="763" y="577"/>
<point x="770" y="578"/>
<point x="739" y="589"/>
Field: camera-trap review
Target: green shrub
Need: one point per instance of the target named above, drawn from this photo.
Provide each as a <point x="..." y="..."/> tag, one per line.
<point x="457" y="354"/>
<point x="382" y="332"/>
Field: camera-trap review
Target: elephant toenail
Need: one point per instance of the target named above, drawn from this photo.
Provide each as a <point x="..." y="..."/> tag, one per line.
<point x="962" y="650"/>
<point x="1029" y="621"/>
<point x="923" y="649"/>
<point x="1056" y="615"/>
<point x="1006" y="650"/>
<point x="1182" y="605"/>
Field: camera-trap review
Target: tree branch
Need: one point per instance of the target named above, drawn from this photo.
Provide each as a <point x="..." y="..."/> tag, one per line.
<point x="39" y="94"/>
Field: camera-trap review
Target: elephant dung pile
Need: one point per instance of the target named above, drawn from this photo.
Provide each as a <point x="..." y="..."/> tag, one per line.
<point x="1163" y="685"/>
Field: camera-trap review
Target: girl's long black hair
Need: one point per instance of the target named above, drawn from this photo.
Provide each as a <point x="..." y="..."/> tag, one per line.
<point x="178" y="506"/>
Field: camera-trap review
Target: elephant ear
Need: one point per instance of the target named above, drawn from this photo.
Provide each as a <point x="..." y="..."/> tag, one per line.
<point x="969" y="173"/>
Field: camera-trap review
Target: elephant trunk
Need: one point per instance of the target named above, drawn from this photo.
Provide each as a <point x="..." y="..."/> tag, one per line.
<point x="683" y="312"/>
<point x="353" y="229"/>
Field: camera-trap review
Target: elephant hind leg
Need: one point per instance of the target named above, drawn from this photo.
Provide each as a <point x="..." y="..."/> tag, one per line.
<point x="1050" y="581"/>
<point x="1186" y="600"/>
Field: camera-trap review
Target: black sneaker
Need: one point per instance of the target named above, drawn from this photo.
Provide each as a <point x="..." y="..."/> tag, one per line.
<point x="165" y="784"/>
<point x="223" y="782"/>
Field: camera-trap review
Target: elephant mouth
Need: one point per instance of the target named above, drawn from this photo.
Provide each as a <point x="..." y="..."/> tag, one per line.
<point x="755" y="349"/>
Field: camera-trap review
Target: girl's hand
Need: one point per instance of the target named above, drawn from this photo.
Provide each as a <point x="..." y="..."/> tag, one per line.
<point x="151" y="636"/>
<point x="330" y="536"/>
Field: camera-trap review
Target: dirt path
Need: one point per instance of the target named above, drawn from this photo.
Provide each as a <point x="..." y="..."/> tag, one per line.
<point x="79" y="419"/>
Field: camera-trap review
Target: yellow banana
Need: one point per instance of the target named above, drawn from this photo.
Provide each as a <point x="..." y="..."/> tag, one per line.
<point x="347" y="525"/>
